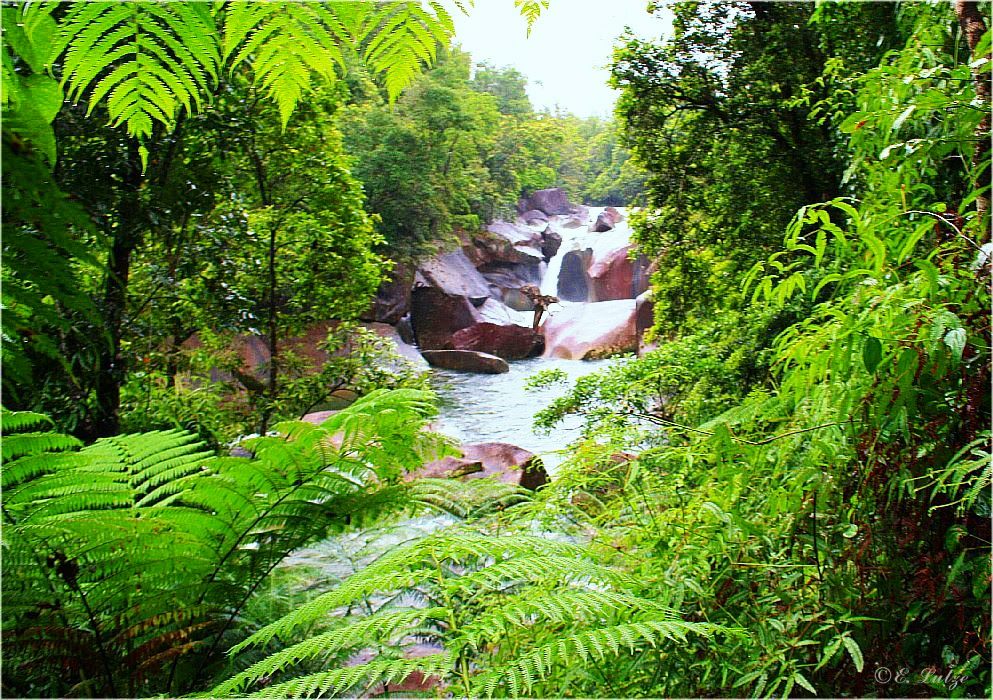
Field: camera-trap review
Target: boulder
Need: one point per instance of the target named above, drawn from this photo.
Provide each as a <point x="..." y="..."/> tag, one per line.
<point x="455" y="275"/>
<point x="591" y="331"/>
<point x="505" y="462"/>
<point x="404" y="349"/>
<point x="511" y="342"/>
<point x="466" y="361"/>
<point x="499" y="313"/>
<point x="502" y="242"/>
<point x="613" y="275"/>
<point x="550" y="201"/>
<point x="573" y="283"/>
<point x="392" y="300"/>
<point x="506" y="280"/>
<point x="607" y="219"/>
<point x="533" y="216"/>
<point x="551" y="241"/>
<point x="435" y="316"/>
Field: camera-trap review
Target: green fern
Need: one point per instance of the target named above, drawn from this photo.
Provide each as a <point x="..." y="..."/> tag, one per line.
<point x="531" y="10"/>
<point x="481" y="591"/>
<point x="146" y="547"/>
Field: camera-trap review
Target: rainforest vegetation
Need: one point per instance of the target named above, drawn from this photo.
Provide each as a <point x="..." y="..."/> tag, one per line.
<point x="788" y="496"/>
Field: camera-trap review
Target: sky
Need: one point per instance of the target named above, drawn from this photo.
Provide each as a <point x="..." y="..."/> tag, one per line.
<point x="566" y="56"/>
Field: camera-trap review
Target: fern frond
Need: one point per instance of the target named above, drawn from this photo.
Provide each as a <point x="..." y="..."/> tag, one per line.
<point x="284" y="43"/>
<point x="531" y="10"/>
<point x="379" y="627"/>
<point x="369" y="674"/>
<point x="11" y="421"/>
<point x="147" y="59"/>
<point x="472" y="498"/>
<point x="520" y="674"/>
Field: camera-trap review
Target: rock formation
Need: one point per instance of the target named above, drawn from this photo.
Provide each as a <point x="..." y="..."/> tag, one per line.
<point x="591" y="331"/>
<point x="466" y="361"/>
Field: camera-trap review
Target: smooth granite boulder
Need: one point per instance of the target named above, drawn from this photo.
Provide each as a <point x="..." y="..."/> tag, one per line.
<point x="591" y="331"/>
<point x="466" y="361"/>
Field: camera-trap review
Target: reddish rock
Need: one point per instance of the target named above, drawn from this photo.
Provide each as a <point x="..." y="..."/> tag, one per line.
<point x="508" y="463"/>
<point x="392" y="300"/>
<point x="607" y="219"/>
<point x="435" y="316"/>
<point x="533" y="216"/>
<point x="613" y="275"/>
<point x="550" y="201"/>
<point x="511" y="342"/>
<point x="466" y="361"/>
<point x="591" y="331"/>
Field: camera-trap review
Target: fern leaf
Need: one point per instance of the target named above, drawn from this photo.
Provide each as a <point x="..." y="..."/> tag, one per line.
<point x="150" y="58"/>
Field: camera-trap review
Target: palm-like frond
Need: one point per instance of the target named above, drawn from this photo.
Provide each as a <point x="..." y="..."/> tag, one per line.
<point x="147" y="59"/>
<point x="152" y="546"/>
<point x="551" y="598"/>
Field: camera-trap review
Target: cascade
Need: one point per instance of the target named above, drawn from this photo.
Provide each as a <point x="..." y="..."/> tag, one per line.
<point x="497" y="407"/>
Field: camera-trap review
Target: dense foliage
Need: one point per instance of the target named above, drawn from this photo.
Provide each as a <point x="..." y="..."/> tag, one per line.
<point x="790" y="495"/>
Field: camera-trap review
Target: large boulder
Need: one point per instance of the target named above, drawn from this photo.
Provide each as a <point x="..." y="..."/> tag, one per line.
<point x="533" y="216"/>
<point x="435" y="316"/>
<point x="466" y="361"/>
<point x="507" y="463"/>
<point x="550" y="201"/>
<point x="405" y="350"/>
<point x="614" y="275"/>
<point x="574" y="283"/>
<point x="454" y="274"/>
<point x="591" y="331"/>
<point x="506" y="280"/>
<point x="551" y="241"/>
<point x="502" y="242"/>
<point x="499" y="313"/>
<point x="607" y="219"/>
<point x="511" y="342"/>
<point x="392" y="300"/>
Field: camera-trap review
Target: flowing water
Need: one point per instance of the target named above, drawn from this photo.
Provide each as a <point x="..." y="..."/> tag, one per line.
<point x="497" y="407"/>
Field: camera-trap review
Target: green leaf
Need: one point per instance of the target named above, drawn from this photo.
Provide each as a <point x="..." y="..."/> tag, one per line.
<point x="872" y="353"/>
<point x="853" y="649"/>
<point x="955" y="340"/>
<point x="802" y="680"/>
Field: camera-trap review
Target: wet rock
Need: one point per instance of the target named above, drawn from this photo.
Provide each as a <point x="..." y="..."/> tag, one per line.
<point x="466" y="361"/>
<point x="644" y="319"/>
<point x="614" y="275"/>
<point x="550" y="201"/>
<point x="534" y="216"/>
<point x="510" y="342"/>
<point x="392" y="300"/>
<point x="499" y="313"/>
<point x="404" y="349"/>
<point x="591" y="331"/>
<point x="506" y="280"/>
<point x="551" y="241"/>
<point x="455" y="275"/>
<point x="507" y="463"/>
<point x="574" y="280"/>
<point x="435" y="316"/>
<point x="607" y="219"/>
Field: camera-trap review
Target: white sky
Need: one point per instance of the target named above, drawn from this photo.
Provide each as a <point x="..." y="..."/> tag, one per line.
<point x="566" y="57"/>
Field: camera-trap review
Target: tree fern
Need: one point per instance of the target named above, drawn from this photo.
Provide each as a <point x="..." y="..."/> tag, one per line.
<point x="146" y="547"/>
<point x="518" y="606"/>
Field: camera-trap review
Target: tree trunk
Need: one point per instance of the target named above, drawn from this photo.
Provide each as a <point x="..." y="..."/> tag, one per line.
<point x="973" y="26"/>
<point x="110" y="368"/>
